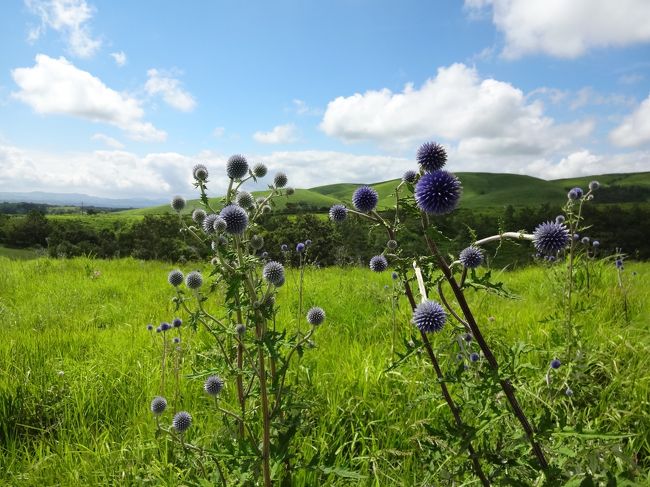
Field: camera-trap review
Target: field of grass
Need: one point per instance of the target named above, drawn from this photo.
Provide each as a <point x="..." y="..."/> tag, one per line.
<point x="78" y="370"/>
<point x="17" y="253"/>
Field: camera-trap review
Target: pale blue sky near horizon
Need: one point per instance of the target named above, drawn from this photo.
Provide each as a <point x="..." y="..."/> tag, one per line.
<point x="118" y="98"/>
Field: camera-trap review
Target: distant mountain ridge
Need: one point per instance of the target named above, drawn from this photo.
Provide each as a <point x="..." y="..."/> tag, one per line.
<point x="76" y="199"/>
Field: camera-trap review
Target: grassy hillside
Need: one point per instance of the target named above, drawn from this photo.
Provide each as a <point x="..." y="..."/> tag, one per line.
<point x="480" y="190"/>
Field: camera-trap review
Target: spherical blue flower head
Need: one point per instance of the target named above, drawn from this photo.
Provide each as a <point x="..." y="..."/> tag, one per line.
<point x="576" y="236"/>
<point x="471" y="257"/>
<point x="474" y="357"/>
<point x="236" y="219"/>
<point x="236" y="167"/>
<point x="240" y="329"/>
<point x="596" y="243"/>
<point x="158" y="405"/>
<point x="555" y="363"/>
<point x="431" y="156"/>
<point x="307" y="242"/>
<point x="176" y="340"/>
<point x="409" y="176"/>
<point x="158" y="330"/>
<point x="182" y="421"/>
<point x="594" y="185"/>
<point x="219" y="224"/>
<point x="280" y="180"/>
<point x="365" y="199"/>
<point x="395" y="276"/>
<point x="429" y="317"/>
<point x="164" y="326"/>
<point x="438" y="192"/>
<point x="619" y="263"/>
<point x="289" y="191"/>
<point x="177" y="322"/>
<point x="550" y="237"/>
<point x="245" y="199"/>
<point x="208" y="223"/>
<point x="265" y="255"/>
<point x="175" y="278"/>
<point x="585" y="240"/>
<point x="391" y="244"/>
<point x="284" y="248"/>
<point x="274" y="273"/>
<point x="194" y="280"/>
<point x="300" y="247"/>
<point x="467" y="337"/>
<point x="200" y="172"/>
<point x="213" y="385"/>
<point x="198" y="215"/>
<point x="257" y="242"/>
<point x="338" y="213"/>
<point x="315" y="316"/>
<point x="150" y="327"/>
<point x="575" y="194"/>
<point x="569" y="392"/>
<point x="178" y="203"/>
<point x="378" y="263"/>
<point x="259" y="170"/>
<point x="560" y="219"/>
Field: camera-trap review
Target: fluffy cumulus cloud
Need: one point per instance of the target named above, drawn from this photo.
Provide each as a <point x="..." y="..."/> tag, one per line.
<point x="119" y="58"/>
<point x="635" y="129"/>
<point x="585" y="163"/>
<point x="109" y="141"/>
<point x="484" y="117"/>
<point x="281" y="134"/>
<point x="171" y="90"/>
<point x="56" y="86"/>
<point x="68" y="17"/>
<point x="566" y="28"/>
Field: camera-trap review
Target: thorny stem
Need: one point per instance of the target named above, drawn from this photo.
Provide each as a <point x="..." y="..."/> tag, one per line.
<point x="450" y="309"/>
<point x="240" y="371"/>
<point x="507" y="387"/>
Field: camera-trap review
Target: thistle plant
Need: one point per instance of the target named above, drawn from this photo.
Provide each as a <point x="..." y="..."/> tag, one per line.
<point x="248" y="350"/>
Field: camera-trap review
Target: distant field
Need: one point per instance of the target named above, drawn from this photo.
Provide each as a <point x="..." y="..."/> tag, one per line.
<point x="17" y="253"/>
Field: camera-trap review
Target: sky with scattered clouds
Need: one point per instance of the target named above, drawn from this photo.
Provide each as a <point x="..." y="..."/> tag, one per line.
<point x="121" y="99"/>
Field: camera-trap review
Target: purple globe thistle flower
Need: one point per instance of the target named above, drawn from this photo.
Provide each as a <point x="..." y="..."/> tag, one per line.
<point x="208" y="223"/>
<point x="559" y="219"/>
<point x="158" y="330"/>
<point x="307" y="242"/>
<point x="176" y="340"/>
<point x="585" y="240"/>
<point x="274" y="273"/>
<point x="194" y="280"/>
<point x="575" y="194"/>
<point x="555" y="363"/>
<point x="549" y="238"/>
<point x="315" y="316"/>
<point x="198" y="215"/>
<point x="594" y="185"/>
<point x="395" y="276"/>
<point x="219" y="224"/>
<point x="431" y="156"/>
<point x="158" y="405"/>
<point x="175" y="278"/>
<point x="619" y="263"/>
<point x="200" y="172"/>
<point x="164" y="326"/>
<point x="266" y="209"/>
<point x="245" y="199"/>
<point x="213" y="385"/>
<point x="409" y="176"/>
<point x="378" y="263"/>
<point x="284" y="248"/>
<point x="289" y="191"/>
<point x="150" y="327"/>
<point x="257" y="242"/>
<point x="391" y="244"/>
<point x="471" y="257"/>
<point x="429" y="317"/>
<point x="300" y="247"/>
<point x="236" y="167"/>
<point x="182" y="421"/>
<point x="178" y="203"/>
<point x="240" y="329"/>
<point x="468" y="337"/>
<point x="596" y="243"/>
<point x="438" y="192"/>
<point x="569" y="392"/>
<point x="177" y="322"/>
<point x="236" y="219"/>
<point x="576" y="236"/>
<point x="338" y="213"/>
<point x="474" y="357"/>
<point x="259" y="170"/>
<point x="265" y="255"/>
<point x="280" y="180"/>
<point x="365" y="199"/>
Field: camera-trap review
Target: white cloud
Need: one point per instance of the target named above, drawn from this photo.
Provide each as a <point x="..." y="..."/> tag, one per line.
<point x="68" y="17"/>
<point x="119" y="57"/>
<point x="631" y="78"/>
<point x="301" y="108"/>
<point x="635" y="129"/>
<point x="482" y="114"/>
<point x="584" y="163"/>
<point x="109" y="141"/>
<point x="565" y="28"/>
<point x="218" y="132"/>
<point x="56" y="86"/>
<point x="160" y="83"/>
<point x="281" y="134"/>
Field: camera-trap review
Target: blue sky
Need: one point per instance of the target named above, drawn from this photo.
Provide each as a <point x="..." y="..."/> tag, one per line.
<point x="117" y="98"/>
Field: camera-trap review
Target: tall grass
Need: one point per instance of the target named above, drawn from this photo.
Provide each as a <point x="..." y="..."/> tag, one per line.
<point x="78" y="370"/>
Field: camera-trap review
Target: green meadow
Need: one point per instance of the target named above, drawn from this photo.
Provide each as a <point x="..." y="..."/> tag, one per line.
<point x="78" y="370"/>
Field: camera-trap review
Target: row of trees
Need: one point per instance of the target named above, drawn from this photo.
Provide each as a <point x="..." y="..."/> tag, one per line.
<point x="352" y="242"/>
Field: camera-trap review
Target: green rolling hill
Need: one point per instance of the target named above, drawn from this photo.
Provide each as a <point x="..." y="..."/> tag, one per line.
<point x="480" y="190"/>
